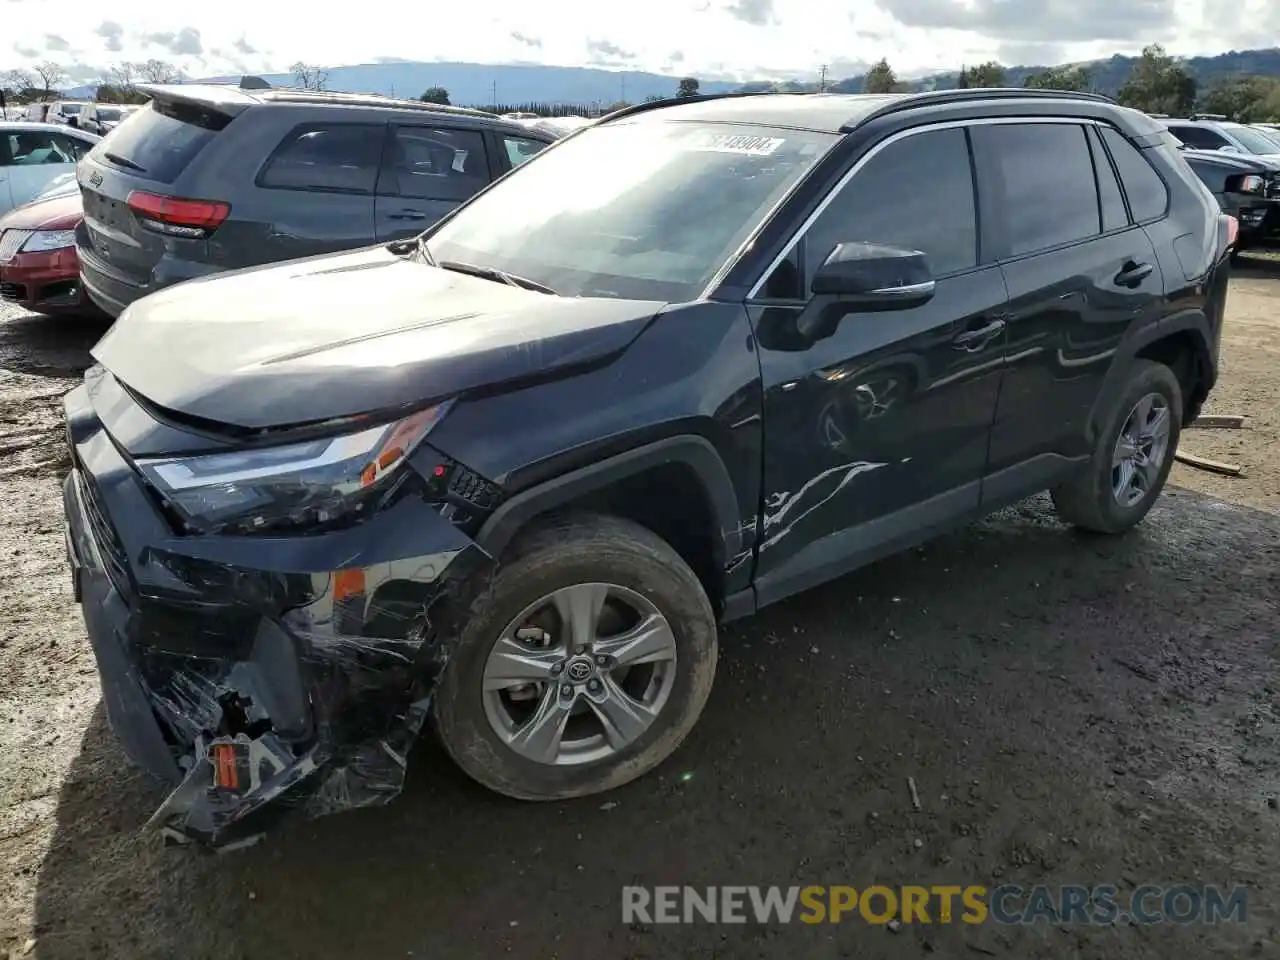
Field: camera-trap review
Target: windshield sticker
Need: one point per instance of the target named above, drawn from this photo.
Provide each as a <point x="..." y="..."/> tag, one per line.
<point x="746" y="145"/>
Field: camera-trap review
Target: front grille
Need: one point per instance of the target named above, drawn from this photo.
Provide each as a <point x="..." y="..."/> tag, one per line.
<point x="114" y="557"/>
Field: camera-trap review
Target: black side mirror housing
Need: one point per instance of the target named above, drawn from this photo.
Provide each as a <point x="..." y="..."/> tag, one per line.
<point x="875" y="277"/>
<point x="866" y="277"/>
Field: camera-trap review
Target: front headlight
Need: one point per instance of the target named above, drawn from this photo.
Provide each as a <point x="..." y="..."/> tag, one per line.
<point x="43" y="241"/>
<point x="308" y="485"/>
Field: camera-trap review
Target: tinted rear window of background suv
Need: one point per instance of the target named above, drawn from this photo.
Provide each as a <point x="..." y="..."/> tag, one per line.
<point x="159" y="141"/>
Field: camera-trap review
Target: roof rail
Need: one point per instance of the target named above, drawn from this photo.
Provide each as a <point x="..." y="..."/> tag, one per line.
<point x="1208" y="116"/>
<point x="366" y="100"/>
<point x="930" y="98"/>
<point x="648" y="105"/>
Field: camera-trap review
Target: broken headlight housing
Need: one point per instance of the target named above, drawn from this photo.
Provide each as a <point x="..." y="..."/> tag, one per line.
<point x="312" y="485"/>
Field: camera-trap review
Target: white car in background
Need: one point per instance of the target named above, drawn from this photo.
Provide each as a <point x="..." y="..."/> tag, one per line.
<point x="36" y="158"/>
<point x="102" y="118"/>
<point x="65" y="112"/>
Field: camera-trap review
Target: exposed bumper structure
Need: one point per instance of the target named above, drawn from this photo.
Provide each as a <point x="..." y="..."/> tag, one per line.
<point x="253" y="675"/>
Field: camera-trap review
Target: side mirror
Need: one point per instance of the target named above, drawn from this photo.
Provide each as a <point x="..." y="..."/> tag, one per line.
<point x="1229" y="148"/>
<point x="865" y="277"/>
<point x="872" y="276"/>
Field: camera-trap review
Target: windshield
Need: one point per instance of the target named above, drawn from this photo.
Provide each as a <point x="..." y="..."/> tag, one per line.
<point x="70" y="109"/>
<point x="108" y="113"/>
<point x="1252" y="140"/>
<point x="1272" y="135"/>
<point x="643" y="210"/>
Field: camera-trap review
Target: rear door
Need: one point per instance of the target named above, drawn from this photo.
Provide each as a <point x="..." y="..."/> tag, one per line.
<point x="314" y="194"/>
<point x="147" y="154"/>
<point x="427" y="171"/>
<point x="1078" y="270"/>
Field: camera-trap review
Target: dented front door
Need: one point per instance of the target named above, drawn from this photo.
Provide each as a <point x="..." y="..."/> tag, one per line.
<point x="879" y="430"/>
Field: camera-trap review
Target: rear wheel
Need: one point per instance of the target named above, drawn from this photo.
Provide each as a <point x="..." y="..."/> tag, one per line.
<point x="584" y="664"/>
<point x="1132" y="458"/>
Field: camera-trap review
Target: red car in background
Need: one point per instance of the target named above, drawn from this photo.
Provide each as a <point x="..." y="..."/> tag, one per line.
<point x="39" y="269"/>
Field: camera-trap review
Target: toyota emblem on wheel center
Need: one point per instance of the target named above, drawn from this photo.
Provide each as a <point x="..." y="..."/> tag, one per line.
<point x="579" y="670"/>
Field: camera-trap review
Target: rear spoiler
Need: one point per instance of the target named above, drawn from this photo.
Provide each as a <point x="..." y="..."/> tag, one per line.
<point x="224" y="99"/>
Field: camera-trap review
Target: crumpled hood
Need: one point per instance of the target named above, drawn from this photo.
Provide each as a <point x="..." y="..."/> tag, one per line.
<point x="338" y="335"/>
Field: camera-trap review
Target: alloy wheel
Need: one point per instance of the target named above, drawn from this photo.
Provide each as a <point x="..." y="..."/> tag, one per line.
<point x="580" y="674"/>
<point x="1140" y="450"/>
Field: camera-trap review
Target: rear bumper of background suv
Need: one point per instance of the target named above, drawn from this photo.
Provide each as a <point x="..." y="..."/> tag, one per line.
<point x="112" y="290"/>
<point x="254" y="675"/>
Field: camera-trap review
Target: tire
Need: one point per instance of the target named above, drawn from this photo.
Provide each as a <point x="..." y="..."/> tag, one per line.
<point x="562" y="553"/>
<point x="1088" y="500"/>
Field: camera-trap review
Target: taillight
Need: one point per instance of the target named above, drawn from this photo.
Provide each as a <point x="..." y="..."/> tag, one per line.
<point x="1233" y="230"/>
<point x="177" y="217"/>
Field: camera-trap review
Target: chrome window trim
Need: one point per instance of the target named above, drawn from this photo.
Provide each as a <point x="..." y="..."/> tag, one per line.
<point x="754" y="292"/>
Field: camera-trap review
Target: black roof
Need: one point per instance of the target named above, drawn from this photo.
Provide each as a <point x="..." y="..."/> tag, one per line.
<point x="843" y="112"/>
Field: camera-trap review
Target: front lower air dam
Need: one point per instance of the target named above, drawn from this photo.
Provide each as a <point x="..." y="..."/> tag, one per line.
<point x="320" y="707"/>
<point x="258" y="675"/>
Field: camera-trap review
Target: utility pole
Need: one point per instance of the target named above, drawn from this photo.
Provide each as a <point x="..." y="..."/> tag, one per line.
<point x="822" y="79"/>
<point x="495" y="93"/>
<point x="623" y="98"/>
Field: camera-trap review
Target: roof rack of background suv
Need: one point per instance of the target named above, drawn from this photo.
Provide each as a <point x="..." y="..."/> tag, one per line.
<point x="288" y="95"/>
<point x="931" y="98"/>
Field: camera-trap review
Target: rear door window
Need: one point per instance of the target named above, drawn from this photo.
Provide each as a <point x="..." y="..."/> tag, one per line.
<point x="1198" y="138"/>
<point x="159" y="141"/>
<point x="38" y="148"/>
<point x="1045" y="173"/>
<point x="520" y="149"/>
<point x="1148" y="195"/>
<point x="431" y="163"/>
<point x="326" y="158"/>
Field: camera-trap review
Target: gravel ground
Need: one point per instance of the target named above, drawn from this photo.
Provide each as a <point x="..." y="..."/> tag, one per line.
<point x="1073" y="710"/>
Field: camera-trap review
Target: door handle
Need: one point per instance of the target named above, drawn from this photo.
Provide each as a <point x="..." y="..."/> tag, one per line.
<point x="1133" y="274"/>
<point x="977" y="337"/>
<point x="407" y="215"/>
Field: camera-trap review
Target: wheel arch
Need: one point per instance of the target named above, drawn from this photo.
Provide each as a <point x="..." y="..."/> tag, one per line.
<point x="1182" y="342"/>
<point x="698" y="515"/>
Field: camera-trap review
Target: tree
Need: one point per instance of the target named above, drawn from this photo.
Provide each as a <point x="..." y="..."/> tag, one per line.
<point x="310" y="76"/>
<point x="653" y="98"/>
<point x="51" y="74"/>
<point x="1060" y="78"/>
<point x="962" y="81"/>
<point x="124" y="74"/>
<point x="688" y="87"/>
<point x="15" y="83"/>
<point x="989" y="74"/>
<point x="1159" y="83"/>
<point x="435" y="95"/>
<point x="157" y="71"/>
<point x="880" y="78"/>
<point x="1246" y="99"/>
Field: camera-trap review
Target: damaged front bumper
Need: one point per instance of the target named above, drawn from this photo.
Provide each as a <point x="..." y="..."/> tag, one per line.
<point x="256" y="675"/>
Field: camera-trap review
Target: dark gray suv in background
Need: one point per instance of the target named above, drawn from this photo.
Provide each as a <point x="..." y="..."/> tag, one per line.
<point x="212" y="177"/>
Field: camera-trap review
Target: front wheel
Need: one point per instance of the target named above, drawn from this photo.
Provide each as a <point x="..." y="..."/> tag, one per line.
<point x="1132" y="457"/>
<point x="584" y="664"/>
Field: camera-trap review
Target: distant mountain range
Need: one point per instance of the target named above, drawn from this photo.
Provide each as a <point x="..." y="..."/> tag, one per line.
<point x="478" y="83"/>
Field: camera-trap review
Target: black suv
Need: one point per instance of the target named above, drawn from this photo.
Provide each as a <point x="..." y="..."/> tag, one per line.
<point x="1248" y="188"/>
<point x="515" y="473"/>
<point x="211" y="177"/>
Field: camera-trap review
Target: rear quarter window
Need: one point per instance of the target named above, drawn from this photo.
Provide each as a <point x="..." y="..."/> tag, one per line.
<point x="326" y="158"/>
<point x="159" y="141"/>
<point x="1147" y="193"/>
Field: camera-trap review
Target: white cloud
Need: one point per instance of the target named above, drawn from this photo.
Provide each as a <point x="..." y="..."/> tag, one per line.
<point x="743" y="38"/>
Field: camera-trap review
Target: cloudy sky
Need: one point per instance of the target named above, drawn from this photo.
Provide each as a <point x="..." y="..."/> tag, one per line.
<point x="738" y="38"/>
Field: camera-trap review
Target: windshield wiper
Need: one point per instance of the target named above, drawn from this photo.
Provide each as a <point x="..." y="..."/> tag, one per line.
<point x="125" y="162"/>
<point x="496" y="275"/>
<point x="423" y="252"/>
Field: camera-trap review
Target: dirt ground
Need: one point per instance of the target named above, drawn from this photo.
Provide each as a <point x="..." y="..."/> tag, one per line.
<point x="1073" y="710"/>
